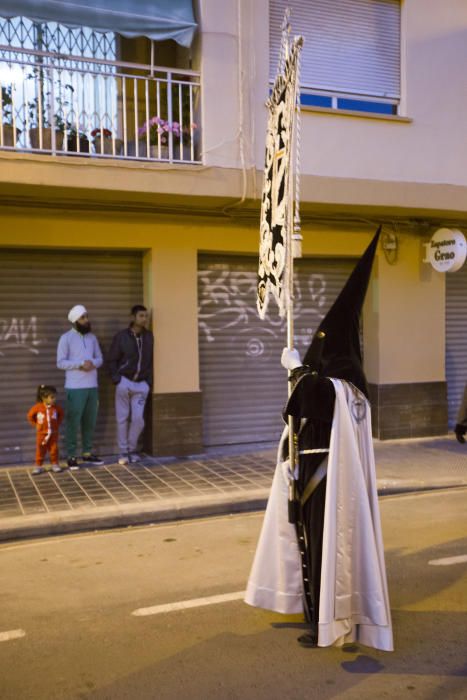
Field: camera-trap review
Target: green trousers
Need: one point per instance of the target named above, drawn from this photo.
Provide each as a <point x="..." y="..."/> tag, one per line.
<point x="81" y="415"/>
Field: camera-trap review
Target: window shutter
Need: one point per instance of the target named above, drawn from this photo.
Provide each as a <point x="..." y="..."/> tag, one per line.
<point x="351" y="46"/>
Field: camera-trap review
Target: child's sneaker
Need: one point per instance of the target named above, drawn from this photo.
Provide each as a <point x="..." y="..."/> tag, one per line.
<point x="56" y="468"/>
<point x="123" y="460"/>
<point x="38" y="470"/>
<point x="135" y="458"/>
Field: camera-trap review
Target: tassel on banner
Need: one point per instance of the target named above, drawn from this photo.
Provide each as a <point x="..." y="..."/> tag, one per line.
<point x="297" y="239"/>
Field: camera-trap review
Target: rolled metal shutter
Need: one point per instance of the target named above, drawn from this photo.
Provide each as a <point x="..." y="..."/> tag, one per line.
<point x="243" y="386"/>
<point x="37" y="289"/>
<point x="350" y="45"/>
<point x="456" y="340"/>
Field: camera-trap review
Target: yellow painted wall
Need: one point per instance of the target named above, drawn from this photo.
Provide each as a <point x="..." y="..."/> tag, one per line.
<point x="175" y="325"/>
<point x="403" y="317"/>
<point x="81" y="229"/>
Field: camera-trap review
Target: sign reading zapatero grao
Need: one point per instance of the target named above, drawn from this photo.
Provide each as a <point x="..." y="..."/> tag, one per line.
<point x="447" y="250"/>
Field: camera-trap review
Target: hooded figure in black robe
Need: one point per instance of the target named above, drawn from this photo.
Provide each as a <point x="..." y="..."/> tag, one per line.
<point x="334" y="354"/>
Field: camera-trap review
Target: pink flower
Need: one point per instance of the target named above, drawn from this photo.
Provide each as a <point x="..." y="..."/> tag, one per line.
<point x="158" y="130"/>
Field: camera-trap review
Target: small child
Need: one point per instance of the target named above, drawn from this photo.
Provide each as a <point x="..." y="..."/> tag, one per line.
<point x="46" y="416"/>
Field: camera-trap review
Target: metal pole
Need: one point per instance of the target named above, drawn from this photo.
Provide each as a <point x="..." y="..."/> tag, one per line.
<point x="290" y="304"/>
<point x="294" y="250"/>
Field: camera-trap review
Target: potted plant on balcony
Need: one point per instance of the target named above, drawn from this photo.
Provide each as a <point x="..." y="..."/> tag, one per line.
<point x="40" y="109"/>
<point x="41" y="126"/>
<point x="161" y="132"/>
<point x="10" y="134"/>
<point x="104" y="142"/>
<point x="76" y="140"/>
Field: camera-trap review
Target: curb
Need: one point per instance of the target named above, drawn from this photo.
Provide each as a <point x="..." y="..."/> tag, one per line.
<point x="114" y="516"/>
<point x="108" y="517"/>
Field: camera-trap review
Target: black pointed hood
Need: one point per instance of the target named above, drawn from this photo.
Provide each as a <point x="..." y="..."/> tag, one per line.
<point x="335" y="348"/>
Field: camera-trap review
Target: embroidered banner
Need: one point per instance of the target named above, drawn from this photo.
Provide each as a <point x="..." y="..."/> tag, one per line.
<point x="276" y="202"/>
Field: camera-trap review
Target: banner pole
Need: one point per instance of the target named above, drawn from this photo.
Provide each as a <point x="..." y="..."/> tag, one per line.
<point x="293" y="242"/>
<point x="290" y="322"/>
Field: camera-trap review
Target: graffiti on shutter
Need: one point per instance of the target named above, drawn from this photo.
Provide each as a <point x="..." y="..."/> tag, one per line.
<point x="19" y="333"/>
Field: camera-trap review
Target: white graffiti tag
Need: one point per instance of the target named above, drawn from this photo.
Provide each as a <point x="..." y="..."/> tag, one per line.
<point x="226" y="303"/>
<point x="19" y="333"/>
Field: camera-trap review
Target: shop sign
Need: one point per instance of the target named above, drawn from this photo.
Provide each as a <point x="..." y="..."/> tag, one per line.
<point x="447" y="250"/>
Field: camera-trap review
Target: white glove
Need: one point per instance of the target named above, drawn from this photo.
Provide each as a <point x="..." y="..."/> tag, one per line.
<point x="290" y="359"/>
<point x="287" y="472"/>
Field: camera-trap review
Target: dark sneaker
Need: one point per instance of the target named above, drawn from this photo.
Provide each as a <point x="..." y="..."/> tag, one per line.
<point x="56" y="468"/>
<point x="134" y="458"/>
<point x="38" y="470"/>
<point x="92" y="460"/>
<point x="72" y="463"/>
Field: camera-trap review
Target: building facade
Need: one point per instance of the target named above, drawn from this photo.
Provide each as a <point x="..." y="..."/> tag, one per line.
<point x="168" y="215"/>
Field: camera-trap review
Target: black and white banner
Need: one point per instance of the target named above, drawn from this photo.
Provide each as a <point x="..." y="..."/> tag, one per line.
<point x="277" y="196"/>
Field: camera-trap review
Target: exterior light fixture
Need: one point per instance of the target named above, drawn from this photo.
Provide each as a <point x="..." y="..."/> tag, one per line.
<point x="390" y="246"/>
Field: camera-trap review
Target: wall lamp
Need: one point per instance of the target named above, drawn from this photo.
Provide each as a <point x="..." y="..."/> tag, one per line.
<point x="390" y="246"/>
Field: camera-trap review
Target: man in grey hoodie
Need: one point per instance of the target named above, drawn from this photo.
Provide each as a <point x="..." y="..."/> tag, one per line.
<point x="79" y="354"/>
<point x="130" y="363"/>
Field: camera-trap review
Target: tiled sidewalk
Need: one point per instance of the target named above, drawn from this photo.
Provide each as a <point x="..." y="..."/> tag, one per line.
<point x="22" y="494"/>
<point x="157" y="490"/>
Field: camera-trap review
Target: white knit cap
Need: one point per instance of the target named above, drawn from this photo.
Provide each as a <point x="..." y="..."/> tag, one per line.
<point x="76" y="312"/>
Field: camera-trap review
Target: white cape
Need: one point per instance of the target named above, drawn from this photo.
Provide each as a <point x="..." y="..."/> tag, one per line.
<point x="354" y="603"/>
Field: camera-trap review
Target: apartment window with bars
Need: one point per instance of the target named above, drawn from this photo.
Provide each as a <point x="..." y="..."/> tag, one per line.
<point x="46" y="82"/>
<point x="67" y="89"/>
<point x="351" y="52"/>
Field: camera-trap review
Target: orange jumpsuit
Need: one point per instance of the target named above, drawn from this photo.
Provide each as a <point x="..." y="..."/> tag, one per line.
<point x="47" y="420"/>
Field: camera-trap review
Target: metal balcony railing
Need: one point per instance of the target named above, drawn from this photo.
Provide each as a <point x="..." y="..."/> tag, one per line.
<point x="62" y="104"/>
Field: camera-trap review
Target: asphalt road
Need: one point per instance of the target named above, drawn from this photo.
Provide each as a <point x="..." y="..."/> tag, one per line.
<point x="68" y="628"/>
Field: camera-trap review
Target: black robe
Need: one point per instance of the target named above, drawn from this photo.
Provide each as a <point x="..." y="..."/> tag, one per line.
<point x="313" y="398"/>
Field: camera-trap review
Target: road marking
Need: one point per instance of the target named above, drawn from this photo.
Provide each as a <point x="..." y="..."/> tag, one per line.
<point x="447" y="561"/>
<point x="11" y="634"/>
<point x="185" y="604"/>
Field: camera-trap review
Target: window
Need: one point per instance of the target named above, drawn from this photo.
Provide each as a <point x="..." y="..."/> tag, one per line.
<point x="351" y="52"/>
<point x="88" y="92"/>
<point x="46" y="61"/>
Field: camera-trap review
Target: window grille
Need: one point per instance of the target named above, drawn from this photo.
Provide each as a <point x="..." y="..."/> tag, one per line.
<point x="23" y="33"/>
<point x="47" y="73"/>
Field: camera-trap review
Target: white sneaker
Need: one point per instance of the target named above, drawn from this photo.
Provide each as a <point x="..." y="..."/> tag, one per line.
<point x="123" y="460"/>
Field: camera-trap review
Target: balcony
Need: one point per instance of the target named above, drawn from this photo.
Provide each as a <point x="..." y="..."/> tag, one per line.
<point x="67" y="105"/>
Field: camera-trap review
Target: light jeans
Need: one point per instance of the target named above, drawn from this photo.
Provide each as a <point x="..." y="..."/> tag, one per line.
<point x="130" y="399"/>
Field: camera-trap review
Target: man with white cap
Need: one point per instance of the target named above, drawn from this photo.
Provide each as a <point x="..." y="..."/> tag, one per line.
<point x="79" y="354"/>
